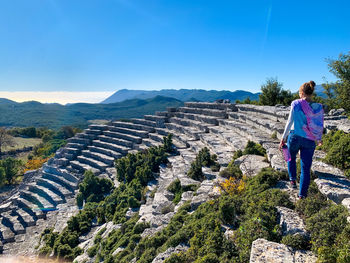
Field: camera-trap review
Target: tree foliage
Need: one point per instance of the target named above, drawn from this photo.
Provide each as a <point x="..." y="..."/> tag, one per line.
<point x="273" y="94"/>
<point x="338" y="93"/>
<point x="93" y="188"/>
<point x="12" y="169"/>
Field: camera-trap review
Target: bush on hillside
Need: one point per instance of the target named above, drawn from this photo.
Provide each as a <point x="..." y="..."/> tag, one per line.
<point x="337" y="146"/>
<point x="254" y="148"/>
<point x="93" y="188"/>
<point x="203" y="158"/>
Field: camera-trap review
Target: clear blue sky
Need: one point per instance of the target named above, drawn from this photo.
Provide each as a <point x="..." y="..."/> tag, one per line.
<point x="106" y="45"/>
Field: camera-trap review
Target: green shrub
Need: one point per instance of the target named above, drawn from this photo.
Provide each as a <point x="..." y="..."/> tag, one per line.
<point x="297" y="241"/>
<point x="274" y="135"/>
<point x="195" y="171"/>
<point x="254" y="148"/>
<point x="326" y="225"/>
<point x="337" y="146"/>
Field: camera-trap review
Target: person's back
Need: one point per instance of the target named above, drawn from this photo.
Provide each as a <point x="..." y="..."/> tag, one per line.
<point x="313" y="128"/>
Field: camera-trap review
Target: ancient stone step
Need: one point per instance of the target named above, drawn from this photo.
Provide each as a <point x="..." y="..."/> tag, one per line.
<point x="260" y="122"/>
<point x="331" y="181"/>
<point x="12" y="223"/>
<point x="27" y="219"/>
<point x="74" y="151"/>
<point x="63" y="161"/>
<point x="212" y="105"/>
<point x="144" y="122"/>
<point x="159" y="120"/>
<point x="93" y="131"/>
<point x="6" y="234"/>
<point x="156" y="137"/>
<point x="82" y="167"/>
<point x="4" y="207"/>
<point x="108" y="160"/>
<point x="236" y="141"/>
<point x="92" y="162"/>
<point x="60" y="172"/>
<point x="140" y="147"/>
<point x="191" y="131"/>
<point x="136" y="133"/>
<point x="202" y="111"/>
<point x="41" y="202"/>
<point x="29" y="207"/>
<point x="248" y="131"/>
<point x="270" y="112"/>
<point x="68" y="185"/>
<point x="197" y="117"/>
<point x="150" y="142"/>
<point x="100" y="127"/>
<point x="88" y="136"/>
<point x="133" y="126"/>
<point x="122" y="136"/>
<point x="111" y="146"/>
<point x="109" y="137"/>
<point x="60" y="190"/>
<point x="162" y="113"/>
<point x="75" y="145"/>
<point x="78" y="140"/>
<point x="189" y="123"/>
<point x="108" y="152"/>
<point x="179" y="140"/>
<point x="46" y="193"/>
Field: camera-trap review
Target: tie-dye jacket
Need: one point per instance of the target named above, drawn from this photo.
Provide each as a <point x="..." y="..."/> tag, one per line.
<point x="307" y="119"/>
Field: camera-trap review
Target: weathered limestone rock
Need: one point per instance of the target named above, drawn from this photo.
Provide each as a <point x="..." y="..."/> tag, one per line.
<point x="290" y="222"/>
<point x="251" y="164"/>
<point x="286" y="187"/>
<point x="264" y="251"/>
<point x="331" y="181"/>
<point x="89" y="241"/>
<point x="275" y="157"/>
<point x="163" y="256"/>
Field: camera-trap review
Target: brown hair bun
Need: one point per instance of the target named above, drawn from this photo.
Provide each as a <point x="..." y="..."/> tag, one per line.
<point x="308" y="87"/>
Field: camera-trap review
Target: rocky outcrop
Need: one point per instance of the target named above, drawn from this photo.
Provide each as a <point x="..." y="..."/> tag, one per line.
<point x="264" y="251"/>
<point x="166" y="254"/>
<point x="290" y="222"/>
<point x="251" y="164"/>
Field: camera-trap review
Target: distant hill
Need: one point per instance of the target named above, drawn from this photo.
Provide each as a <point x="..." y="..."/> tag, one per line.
<point x="182" y="94"/>
<point x="32" y="113"/>
<point x="319" y="91"/>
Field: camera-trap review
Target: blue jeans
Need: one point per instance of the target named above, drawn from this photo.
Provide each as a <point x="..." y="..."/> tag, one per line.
<point x="307" y="149"/>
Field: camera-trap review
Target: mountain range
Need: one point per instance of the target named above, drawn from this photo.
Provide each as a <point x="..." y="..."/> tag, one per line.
<point x="33" y="113"/>
<point x="182" y="94"/>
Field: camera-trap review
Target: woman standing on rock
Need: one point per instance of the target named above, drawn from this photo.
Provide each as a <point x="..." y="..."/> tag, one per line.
<point x="307" y="117"/>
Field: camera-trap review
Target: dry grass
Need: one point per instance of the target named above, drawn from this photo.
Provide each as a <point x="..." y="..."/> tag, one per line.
<point x="23" y="142"/>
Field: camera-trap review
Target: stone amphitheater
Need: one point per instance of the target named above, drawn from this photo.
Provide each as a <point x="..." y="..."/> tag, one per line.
<point x="46" y="198"/>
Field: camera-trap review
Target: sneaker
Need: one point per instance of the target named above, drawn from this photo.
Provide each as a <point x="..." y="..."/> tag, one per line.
<point x="293" y="184"/>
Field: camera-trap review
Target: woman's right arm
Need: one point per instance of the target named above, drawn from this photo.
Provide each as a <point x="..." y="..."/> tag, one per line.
<point x="287" y="127"/>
